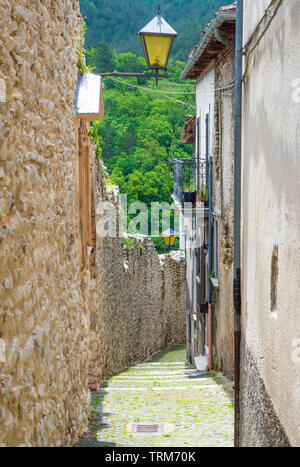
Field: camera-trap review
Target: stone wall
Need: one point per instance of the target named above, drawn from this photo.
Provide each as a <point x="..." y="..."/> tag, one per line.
<point x="43" y="314"/>
<point x="141" y="299"/>
<point x="55" y="300"/>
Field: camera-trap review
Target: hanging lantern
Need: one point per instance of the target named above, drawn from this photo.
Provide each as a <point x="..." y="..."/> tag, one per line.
<point x="169" y="237"/>
<point x="157" y="39"/>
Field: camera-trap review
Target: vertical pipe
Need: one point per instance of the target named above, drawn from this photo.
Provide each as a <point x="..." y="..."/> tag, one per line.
<point x="198" y="154"/>
<point x="237" y="209"/>
<point x="207" y="146"/>
<point x="188" y="324"/>
<point x="210" y="336"/>
<point x="210" y="264"/>
<point x="210" y="239"/>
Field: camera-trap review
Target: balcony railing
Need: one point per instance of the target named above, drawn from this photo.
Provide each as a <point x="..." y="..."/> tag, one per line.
<point x="202" y="171"/>
<point x="184" y="181"/>
<point x="191" y="181"/>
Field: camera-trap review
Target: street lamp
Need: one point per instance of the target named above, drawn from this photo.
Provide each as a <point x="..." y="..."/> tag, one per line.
<point x="169" y="238"/>
<point x="157" y="40"/>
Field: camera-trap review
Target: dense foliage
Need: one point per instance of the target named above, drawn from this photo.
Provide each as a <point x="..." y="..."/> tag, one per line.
<point x="117" y="22"/>
<point x="135" y="137"/>
<point x="137" y="132"/>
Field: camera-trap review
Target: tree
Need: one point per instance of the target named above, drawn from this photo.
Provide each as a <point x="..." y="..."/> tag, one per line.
<point x="101" y="58"/>
<point x="118" y="21"/>
<point x="136" y="134"/>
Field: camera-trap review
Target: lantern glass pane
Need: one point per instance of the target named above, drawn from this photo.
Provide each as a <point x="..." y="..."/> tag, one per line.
<point x="158" y="48"/>
<point x="169" y="241"/>
<point x="145" y="50"/>
<point x="166" y="240"/>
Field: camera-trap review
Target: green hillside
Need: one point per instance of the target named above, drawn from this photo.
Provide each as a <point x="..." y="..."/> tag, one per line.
<point x="135" y="138"/>
<point x="117" y="22"/>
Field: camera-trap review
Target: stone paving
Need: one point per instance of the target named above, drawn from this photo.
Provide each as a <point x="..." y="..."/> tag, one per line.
<point x="196" y="407"/>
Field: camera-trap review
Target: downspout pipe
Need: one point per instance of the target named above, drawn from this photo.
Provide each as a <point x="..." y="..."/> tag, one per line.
<point x="210" y="264"/>
<point x="237" y="209"/>
<point x="187" y="300"/>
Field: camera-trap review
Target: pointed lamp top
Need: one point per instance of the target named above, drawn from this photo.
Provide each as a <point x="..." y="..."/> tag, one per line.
<point x="157" y="39"/>
<point x="158" y="26"/>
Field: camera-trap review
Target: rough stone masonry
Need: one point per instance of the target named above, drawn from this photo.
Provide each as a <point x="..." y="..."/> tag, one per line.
<point x="140" y="299"/>
<point x="43" y="318"/>
<point x="48" y="302"/>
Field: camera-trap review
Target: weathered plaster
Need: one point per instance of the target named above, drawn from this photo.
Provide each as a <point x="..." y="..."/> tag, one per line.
<point x="271" y="217"/>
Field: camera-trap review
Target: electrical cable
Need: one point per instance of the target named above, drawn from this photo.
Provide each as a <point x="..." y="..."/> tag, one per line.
<point x="250" y="53"/>
<point x="147" y="89"/>
<point x="153" y="90"/>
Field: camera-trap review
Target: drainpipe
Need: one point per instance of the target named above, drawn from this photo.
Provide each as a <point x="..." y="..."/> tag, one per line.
<point x="210" y="265"/>
<point x="237" y="210"/>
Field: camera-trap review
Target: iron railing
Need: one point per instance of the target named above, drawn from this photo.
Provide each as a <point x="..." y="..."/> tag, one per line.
<point x="191" y="180"/>
<point x="184" y="178"/>
<point x="202" y="170"/>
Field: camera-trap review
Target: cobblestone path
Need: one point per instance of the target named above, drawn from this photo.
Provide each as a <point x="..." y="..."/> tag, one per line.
<point x="195" y="407"/>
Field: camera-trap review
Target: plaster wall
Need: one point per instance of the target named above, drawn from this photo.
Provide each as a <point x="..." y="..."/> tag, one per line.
<point x="205" y="105"/>
<point x="270" y="236"/>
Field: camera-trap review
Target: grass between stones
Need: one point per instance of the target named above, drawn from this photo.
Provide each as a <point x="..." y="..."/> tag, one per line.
<point x="162" y="391"/>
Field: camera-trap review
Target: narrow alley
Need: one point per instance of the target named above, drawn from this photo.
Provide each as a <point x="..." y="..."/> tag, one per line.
<point x="149" y="225"/>
<point x="163" y="403"/>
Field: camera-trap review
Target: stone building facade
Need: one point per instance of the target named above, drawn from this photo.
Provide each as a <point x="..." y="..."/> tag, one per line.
<point x="211" y="64"/>
<point x="52" y="273"/>
<point x="223" y="212"/>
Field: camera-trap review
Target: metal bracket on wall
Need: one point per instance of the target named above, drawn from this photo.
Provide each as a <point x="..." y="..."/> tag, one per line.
<point x="223" y="40"/>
